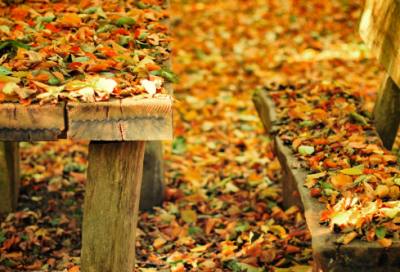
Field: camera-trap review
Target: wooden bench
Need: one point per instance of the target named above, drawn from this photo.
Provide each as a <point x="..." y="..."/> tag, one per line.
<point x="378" y="27"/>
<point x="328" y="256"/>
<point x="118" y="130"/>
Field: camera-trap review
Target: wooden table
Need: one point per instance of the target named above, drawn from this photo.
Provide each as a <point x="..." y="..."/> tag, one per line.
<point x="118" y="130"/>
<point x="378" y="27"/>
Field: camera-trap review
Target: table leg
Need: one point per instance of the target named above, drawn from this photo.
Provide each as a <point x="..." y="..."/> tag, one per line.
<point x="387" y="111"/>
<point x="111" y="206"/>
<point x="9" y="176"/>
<point x="153" y="185"/>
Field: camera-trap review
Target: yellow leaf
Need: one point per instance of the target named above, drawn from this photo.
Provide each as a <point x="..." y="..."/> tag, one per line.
<point x="381" y="191"/>
<point x="278" y="229"/>
<point x="159" y="242"/>
<point x="351" y="171"/>
<point x="41" y="232"/>
<point x="201" y="248"/>
<point x="189" y="216"/>
<point x="316" y="176"/>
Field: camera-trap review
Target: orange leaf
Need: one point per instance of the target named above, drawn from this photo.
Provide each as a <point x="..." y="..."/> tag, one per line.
<point x="152" y="67"/>
<point x="84" y="3"/>
<point x="71" y="19"/>
<point x="350" y="237"/>
<point x="385" y="242"/>
<point x="42" y="77"/>
<point x="75" y="65"/>
<point x="25" y="102"/>
<point x="292" y="249"/>
<point x="1" y="97"/>
<point x="74" y="269"/>
<point x="315" y="192"/>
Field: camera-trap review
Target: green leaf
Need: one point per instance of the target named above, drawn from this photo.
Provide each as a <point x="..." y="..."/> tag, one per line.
<point x="142" y="5"/>
<point x="11" y="44"/>
<point x="5" y="29"/>
<point x="82" y="59"/>
<point x="125" y="39"/>
<point x="45" y="19"/>
<point x="91" y="10"/>
<point x="192" y="230"/>
<point x="125" y="21"/>
<point x="306" y="123"/>
<point x="142" y="44"/>
<point x="248" y="268"/>
<point x="101" y="13"/>
<point x="55" y="221"/>
<point x="5" y="72"/>
<point x="168" y="75"/>
<point x="242" y="226"/>
<point x="107" y="74"/>
<point x="53" y="81"/>
<point x="306" y="150"/>
<point x="327" y="185"/>
<point x="143" y="36"/>
<point x="87" y="48"/>
<point x="104" y="28"/>
<point x="2" y="238"/>
<point x="380" y="232"/>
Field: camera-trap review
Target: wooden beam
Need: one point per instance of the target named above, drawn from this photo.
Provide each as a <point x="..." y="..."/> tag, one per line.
<point x="9" y="176"/>
<point x="378" y="27"/>
<point x="111" y="206"/>
<point x="121" y="120"/>
<point x="387" y="111"/>
<point x="32" y="123"/>
<point x="153" y="184"/>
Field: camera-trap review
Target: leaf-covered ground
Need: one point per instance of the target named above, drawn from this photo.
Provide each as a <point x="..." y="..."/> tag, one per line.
<point x="223" y="210"/>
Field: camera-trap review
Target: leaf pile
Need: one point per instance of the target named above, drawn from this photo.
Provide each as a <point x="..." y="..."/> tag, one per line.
<point x="223" y="204"/>
<point x="354" y="175"/>
<point x="83" y="51"/>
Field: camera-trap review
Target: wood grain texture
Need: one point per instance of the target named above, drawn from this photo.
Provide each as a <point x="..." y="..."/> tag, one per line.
<point x="32" y="123"/>
<point x="387" y="111"/>
<point x="153" y="183"/>
<point x="111" y="206"/>
<point x="328" y="256"/>
<point x="379" y="26"/>
<point x="121" y="120"/>
<point x="9" y="176"/>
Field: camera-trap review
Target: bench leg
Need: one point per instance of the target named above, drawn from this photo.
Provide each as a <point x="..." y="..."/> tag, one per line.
<point x="153" y="184"/>
<point x="387" y="111"/>
<point x="9" y="176"/>
<point x="111" y="206"/>
<point x="287" y="190"/>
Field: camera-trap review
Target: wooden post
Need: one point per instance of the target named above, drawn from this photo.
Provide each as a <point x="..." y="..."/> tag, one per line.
<point x="153" y="184"/>
<point x="111" y="206"/>
<point x="387" y="111"/>
<point x="9" y="176"/>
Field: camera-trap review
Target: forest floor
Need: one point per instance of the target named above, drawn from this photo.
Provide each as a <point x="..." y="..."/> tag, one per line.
<point x="223" y="209"/>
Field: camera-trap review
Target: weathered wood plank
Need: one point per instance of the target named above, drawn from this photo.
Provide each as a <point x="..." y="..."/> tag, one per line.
<point x="328" y="256"/>
<point x="378" y="27"/>
<point x="387" y="111"/>
<point x="121" y="120"/>
<point x="9" y="176"/>
<point x="153" y="184"/>
<point x="111" y="206"/>
<point x="32" y="123"/>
